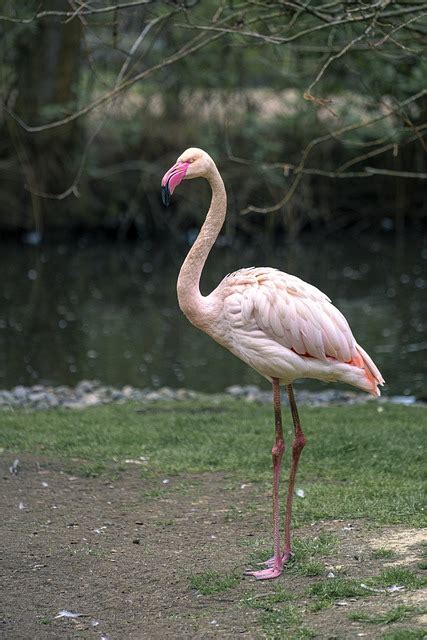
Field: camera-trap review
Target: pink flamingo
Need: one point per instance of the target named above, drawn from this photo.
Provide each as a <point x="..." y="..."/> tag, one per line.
<point x="278" y="324"/>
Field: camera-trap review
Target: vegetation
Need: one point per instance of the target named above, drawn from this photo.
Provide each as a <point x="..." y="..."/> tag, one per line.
<point x="397" y="614"/>
<point x="214" y="582"/>
<point x="383" y="554"/>
<point x="313" y="112"/>
<point x="405" y="634"/>
<point x="347" y="470"/>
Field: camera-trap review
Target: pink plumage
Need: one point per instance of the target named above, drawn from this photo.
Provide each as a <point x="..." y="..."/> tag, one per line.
<point x="287" y="329"/>
<point x="278" y="324"/>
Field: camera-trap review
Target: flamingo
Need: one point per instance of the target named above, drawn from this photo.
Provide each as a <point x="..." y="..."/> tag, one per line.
<point x="276" y="323"/>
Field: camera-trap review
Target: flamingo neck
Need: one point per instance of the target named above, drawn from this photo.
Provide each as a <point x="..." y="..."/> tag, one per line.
<point x="188" y="286"/>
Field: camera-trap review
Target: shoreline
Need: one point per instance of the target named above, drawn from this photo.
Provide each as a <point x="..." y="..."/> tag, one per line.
<point x="89" y="393"/>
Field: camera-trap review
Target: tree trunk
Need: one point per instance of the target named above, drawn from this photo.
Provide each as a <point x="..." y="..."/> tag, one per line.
<point x="47" y="65"/>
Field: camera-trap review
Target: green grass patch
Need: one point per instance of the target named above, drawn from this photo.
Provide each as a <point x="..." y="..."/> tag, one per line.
<point x="383" y="554"/>
<point x="287" y="616"/>
<point x="211" y="582"/>
<point x="405" y="634"/>
<point x="398" y="576"/>
<point x="280" y="617"/>
<point x="347" y="469"/>
<point x="423" y="563"/>
<point x="285" y="623"/>
<point x="317" y="604"/>
<point x="268" y="601"/>
<point x="323" y="545"/>
<point x="305" y="552"/>
<point x="397" y="614"/>
<point x="335" y="588"/>
<point x="312" y="568"/>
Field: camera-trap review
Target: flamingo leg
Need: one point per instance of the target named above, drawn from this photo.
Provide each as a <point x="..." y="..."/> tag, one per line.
<point x="297" y="447"/>
<point x="275" y="565"/>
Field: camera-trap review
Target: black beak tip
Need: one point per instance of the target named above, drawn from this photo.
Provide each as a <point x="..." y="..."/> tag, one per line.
<point x="166" y="196"/>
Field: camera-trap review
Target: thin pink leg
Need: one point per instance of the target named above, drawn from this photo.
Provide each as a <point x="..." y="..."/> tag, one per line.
<point x="275" y="565"/>
<point x="297" y="447"/>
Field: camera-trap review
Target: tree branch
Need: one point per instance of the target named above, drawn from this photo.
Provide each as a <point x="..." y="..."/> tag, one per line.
<point x="72" y="14"/>
<point x="300" y="169"/>
<point x="182" y="53"/>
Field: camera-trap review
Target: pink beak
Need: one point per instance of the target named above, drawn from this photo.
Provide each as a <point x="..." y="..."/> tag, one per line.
<point x="172" y="179"/>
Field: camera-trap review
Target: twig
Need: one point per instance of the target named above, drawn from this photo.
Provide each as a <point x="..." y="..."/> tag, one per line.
<point x="308" y="95"/>
<point x="73" y="188"/>
<point x="182" y="53"/>
<point x="397" y="28"/>
<point x="376" y="152"/>
<point x="300" y="168"/>
<point x="399" y="174"/>
<point x="278" y="40"/>
<point x="72" y="14"/>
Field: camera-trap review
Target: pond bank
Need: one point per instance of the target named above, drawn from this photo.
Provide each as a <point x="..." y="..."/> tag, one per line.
<point x="89" y="393"/>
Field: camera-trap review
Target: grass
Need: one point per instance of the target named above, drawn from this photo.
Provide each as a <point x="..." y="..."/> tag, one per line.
<point x="281" y="616"/>
<point x="286" y="622"/>
<point x="405" y="634"/>
<point x="287" y="616"/>
<point x="285" y="611"/>
<point x="267" y="601"/>
<point x="324" y="544"/>
<point x="305" y="550"/>
<point x="397" y="614"/>
<point x="336" y="588"/>
<point x="348" y="468"/>
<point x="310" y="568"/>
<point x="399" y="576"/>
<point x="383" y="554"/>
<point x="423" y="563"/>
<point x="211" y="582"/>
<point x="333" y="589"/>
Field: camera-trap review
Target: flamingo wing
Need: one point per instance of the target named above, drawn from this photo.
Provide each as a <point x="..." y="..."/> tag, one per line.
<point x="293" y="313"/>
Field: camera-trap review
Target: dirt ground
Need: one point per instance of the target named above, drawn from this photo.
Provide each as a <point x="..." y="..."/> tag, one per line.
<point x="122" y="552"/>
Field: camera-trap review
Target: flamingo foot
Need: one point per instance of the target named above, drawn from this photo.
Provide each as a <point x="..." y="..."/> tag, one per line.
<point x="270" y="562"/>
<point x="267" y="574"/>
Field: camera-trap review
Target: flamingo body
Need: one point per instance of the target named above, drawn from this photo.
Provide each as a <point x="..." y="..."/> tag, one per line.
<point x="286" y="328"/>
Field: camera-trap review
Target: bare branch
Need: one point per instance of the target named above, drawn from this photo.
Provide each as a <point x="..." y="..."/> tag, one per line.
<point x="395" y="174"/>
<point x="307" y="94"/>
<point x="397" y="28"/>
<point x="72" y="14"/>
<point x="73" y="188"/>
<point x="376" y="152"/>
<point x="182" y="53"/>
<point x="300" y="169"/>
<point x="268" y="39"/>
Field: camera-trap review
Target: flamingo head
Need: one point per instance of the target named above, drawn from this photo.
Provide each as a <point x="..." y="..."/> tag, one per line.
<point x="193" y="163"/>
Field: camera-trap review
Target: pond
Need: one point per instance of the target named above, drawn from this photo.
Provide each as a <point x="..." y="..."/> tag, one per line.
<point x="109" y="311"/>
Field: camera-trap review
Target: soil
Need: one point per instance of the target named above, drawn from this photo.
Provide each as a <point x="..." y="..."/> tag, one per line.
<point x="122" y="552"/>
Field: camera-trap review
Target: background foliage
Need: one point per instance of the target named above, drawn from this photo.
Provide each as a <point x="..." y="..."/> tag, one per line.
<point x="315" y="112"/>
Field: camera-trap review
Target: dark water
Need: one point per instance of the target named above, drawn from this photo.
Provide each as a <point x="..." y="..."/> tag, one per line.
<point x="109" y="311"/>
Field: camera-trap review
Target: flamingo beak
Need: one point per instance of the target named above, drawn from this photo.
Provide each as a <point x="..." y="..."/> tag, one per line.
<point x="172" y="179"/>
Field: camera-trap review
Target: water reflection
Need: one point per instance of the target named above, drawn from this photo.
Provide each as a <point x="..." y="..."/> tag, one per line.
<point x="110" y="312"/>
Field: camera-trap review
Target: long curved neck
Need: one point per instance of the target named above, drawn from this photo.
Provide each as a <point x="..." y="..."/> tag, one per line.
<point x="188" y="285"/>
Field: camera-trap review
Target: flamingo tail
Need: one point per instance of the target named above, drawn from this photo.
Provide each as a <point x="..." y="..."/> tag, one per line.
<point x="372" y="372"/>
